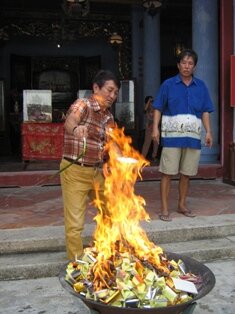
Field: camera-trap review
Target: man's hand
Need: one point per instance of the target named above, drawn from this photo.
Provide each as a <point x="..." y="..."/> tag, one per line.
<point x="80" y="131"/>
<point x="156" y="119"/>
<point x="206" y="124"/>
<point x="156" y="135"/>
<point x="208" y="139"/>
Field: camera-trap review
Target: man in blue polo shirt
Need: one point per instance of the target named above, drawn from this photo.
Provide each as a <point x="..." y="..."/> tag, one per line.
<point x="182" y="104"/>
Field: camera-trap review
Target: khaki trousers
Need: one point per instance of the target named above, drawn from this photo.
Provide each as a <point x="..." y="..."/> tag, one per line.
<point x="78" y="185"/>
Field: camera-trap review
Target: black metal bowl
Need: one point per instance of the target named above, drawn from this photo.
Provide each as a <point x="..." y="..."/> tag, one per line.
<point x="193" y="266"/>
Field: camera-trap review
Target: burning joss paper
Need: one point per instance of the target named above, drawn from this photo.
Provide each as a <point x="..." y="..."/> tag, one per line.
<point x="129" y="282"/>
<point x="124" y="268"/>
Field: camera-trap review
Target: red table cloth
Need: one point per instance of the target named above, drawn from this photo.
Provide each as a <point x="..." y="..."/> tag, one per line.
<point x="42" y="141"/>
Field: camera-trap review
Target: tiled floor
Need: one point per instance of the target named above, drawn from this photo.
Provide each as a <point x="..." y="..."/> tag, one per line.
<point x="36" y="206"/>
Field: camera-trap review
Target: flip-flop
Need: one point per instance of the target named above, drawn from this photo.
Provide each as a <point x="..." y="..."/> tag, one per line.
<point x="186" y="213"/>
<point x="165" y="217"/>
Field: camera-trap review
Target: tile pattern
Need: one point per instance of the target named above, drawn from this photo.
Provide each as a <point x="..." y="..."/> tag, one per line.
<point x="37" y="206"/>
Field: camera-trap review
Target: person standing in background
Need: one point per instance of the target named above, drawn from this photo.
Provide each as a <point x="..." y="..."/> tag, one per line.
<point x="148" y="109"/>
<point x="183" y="104"/>
<point x="85" y="136"/>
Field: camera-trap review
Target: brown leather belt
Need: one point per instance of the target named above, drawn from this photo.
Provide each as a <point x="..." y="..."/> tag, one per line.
<point x="81" y="163"/>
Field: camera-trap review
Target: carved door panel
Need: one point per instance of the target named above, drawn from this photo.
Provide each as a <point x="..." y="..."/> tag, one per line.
<point x="20" y="73"/>
<point x="61" y="76"/>
<point x="88" y="68"/>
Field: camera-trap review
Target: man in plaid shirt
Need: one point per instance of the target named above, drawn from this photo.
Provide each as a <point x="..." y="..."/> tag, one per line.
<point x="84" y="141"/>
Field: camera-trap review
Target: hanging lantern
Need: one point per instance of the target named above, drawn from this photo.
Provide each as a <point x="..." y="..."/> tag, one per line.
<point x="115" y="39"/>
<point x="152" y="6"/>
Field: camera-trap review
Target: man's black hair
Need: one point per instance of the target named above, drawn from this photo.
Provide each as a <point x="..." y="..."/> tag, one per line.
<point x="105" y="75"/>
<point x="188" y="53"/>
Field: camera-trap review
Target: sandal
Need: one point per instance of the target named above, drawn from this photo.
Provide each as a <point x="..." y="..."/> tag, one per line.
<point x="186" y="213"/>
<point x="165" y="217"/>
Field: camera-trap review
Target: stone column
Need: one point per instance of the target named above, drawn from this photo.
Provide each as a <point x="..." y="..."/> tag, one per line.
<point x="205" y="43"/>
<point x="137" y="61"/>
<point x="151" y="53"/>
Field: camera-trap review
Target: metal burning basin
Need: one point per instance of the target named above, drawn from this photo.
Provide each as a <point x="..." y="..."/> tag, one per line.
<point x="119" y="237"/>
<point x="192" y="266"/>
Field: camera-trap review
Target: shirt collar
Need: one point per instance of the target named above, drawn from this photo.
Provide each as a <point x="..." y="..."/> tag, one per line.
<point x="179" y="80"/>
<point x="95" y="104"/>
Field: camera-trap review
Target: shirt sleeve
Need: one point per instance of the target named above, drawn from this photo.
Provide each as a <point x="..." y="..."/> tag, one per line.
<point x="161" y="98"/>
<point x="208" y="105"/>
<point x="79" y="108"/>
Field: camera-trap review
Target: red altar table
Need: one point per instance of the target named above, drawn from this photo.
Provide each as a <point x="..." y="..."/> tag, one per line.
<point x="42" y="141"/>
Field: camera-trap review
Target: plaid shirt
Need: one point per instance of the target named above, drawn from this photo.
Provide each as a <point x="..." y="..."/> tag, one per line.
<point x="96" y="121"/>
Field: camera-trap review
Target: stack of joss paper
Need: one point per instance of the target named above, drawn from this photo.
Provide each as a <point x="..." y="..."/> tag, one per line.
<point x="132" y="282"/>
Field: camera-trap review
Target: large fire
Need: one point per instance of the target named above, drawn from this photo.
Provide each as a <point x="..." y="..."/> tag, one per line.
<point x="123" y="264"/>
<point x="118" y="229"/>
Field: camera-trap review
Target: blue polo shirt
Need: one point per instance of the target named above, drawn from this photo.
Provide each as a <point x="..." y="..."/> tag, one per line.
<point x="182" y="107"/>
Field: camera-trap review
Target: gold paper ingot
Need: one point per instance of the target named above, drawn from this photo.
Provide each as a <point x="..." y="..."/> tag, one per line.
<point x="78" y="286"/>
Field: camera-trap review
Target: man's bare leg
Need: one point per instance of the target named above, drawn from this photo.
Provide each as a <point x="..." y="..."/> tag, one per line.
<point x="183" y="192"/>
<point x="164" y="190"/>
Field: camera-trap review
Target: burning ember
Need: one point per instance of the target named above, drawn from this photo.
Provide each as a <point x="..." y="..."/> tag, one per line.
<point x="124" y="268"/>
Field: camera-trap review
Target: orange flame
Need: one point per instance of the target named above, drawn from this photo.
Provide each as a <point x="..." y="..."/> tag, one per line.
<point x="118" y="228"/>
